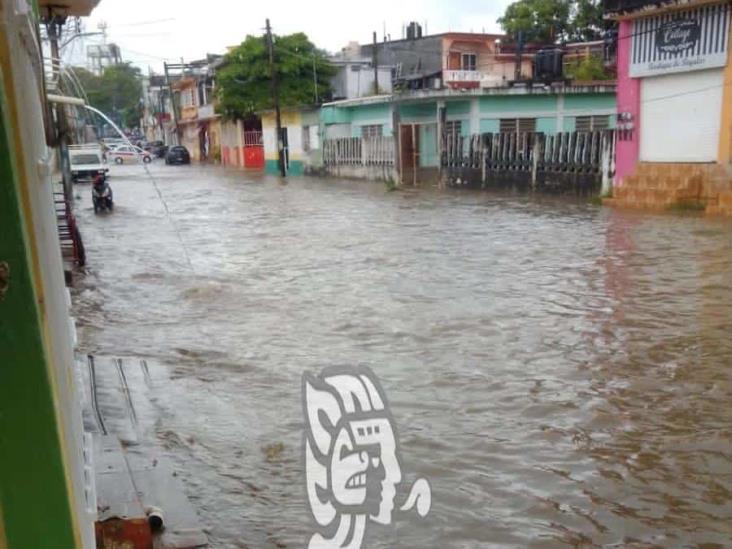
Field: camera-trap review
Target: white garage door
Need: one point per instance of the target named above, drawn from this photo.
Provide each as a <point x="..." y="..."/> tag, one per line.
<point x="680" y="116"/>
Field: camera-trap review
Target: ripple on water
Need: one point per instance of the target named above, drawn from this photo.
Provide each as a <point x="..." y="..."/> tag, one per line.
<point x="561" y="373"/>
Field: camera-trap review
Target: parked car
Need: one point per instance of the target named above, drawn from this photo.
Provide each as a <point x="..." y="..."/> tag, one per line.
<point x="178" y="155"/>
<point x="157" y="148"/>
<point x="128" y="153"/>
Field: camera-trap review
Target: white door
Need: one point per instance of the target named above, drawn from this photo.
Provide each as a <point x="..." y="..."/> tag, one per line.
<point x="680" y="116"/>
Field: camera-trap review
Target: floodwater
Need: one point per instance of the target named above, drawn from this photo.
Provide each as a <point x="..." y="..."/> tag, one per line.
<point x="561" y="373"/>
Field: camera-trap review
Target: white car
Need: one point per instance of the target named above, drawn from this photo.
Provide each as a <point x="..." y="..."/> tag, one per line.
<point x="128" y="153"/>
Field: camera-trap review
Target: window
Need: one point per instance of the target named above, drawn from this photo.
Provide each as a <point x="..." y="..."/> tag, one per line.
<point x="592" y="123"/>
<point x="453" y="127"/>
<point x="85" y="159"/>
<point x="371" y="130"/>
<point x="520" y="125"/>
<point x="469" y="62"/>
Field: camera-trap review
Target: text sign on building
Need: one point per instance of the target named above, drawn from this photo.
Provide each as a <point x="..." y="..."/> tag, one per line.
<point x="682" y="41"/>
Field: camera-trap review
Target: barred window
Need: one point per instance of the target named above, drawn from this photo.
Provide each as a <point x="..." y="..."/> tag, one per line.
<point x="592" y="123"/>
<point x="520" y="125"/>
<point x="453" y="127"/>
<point x="371" y="130"/>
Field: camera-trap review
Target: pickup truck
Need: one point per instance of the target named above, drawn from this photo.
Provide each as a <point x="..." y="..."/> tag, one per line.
<point x="86" y="161"/>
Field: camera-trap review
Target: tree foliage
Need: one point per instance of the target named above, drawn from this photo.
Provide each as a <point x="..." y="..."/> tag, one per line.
<point x="117" y="93"/>
<point x="244" y="81"/>
<point x="552" y="21"/>
<point x="590" y="68"/>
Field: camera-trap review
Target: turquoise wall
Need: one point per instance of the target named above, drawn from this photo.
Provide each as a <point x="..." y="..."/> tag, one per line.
<point x="590" y="101"/>
<point x="428" y="146"/>
<point x="457" y="107"/>
<point x="271" y="167"/>
<point x="517" y="103"/>
<point x="570" y="123"/>
<point x="333" y="115"/>
<point x="377" y="114"/>
<point x="489" y="125"/>
<point x="418" y="112"/>
<point x="546" y="124"/>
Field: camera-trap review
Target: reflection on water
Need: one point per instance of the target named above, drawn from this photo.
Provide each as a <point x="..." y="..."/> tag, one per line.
<point x="561" y="373"/>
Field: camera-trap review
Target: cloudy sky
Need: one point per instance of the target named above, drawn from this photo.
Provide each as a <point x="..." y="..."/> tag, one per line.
<point x="150" y="31"/>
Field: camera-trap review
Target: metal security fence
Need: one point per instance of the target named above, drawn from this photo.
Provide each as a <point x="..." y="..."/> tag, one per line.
<point x="535" y="154"/>
<point x="359" y="151"/>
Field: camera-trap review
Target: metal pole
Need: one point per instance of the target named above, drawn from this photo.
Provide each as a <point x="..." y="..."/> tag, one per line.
<point x="315" y="80"/>
<point x="172" y="102"/>
<point x="276" y="96"/>
<point x="375" y="62"/>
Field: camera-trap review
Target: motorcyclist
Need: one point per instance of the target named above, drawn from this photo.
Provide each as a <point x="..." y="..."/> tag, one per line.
<point x="101" y="193"/>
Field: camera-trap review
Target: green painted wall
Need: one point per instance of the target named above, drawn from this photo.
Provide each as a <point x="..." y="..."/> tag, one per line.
<point x="428" y="146"/>
<point x="517" y="103"/>
<point x="454" y="108"/>
<point x="333" y="115"/>
<point x="490" y="125"/>
<point x="34" y="497"/>
<point x="570" y="124"/>
<point x="271" y="167"/>
<point x="373" y="114"/>
<point x="418" y="112"/>
<point x="589" y="101"/>
<point x="546" y="125"/>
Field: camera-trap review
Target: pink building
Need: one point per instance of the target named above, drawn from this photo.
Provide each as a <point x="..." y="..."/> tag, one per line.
<point x="674" y="104"/>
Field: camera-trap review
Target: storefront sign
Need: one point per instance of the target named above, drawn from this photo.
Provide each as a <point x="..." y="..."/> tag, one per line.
<point x="681" y="41"/>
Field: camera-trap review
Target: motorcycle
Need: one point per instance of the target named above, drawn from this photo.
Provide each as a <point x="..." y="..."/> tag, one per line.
<point x="102" y="197"/>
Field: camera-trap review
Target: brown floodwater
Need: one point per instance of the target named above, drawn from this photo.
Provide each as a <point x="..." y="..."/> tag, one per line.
<point x="562" y="373"/>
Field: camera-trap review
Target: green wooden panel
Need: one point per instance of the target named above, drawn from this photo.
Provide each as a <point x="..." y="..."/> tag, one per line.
<point x="34" y="497"/>
<point x="570" y="124"/>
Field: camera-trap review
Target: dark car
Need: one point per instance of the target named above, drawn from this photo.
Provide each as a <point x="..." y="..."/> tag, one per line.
<point x="178" y="155"/>
<point x="157" y="149"/>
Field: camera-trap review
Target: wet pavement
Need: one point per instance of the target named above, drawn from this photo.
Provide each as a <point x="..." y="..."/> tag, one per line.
<point x="562" y="373"/>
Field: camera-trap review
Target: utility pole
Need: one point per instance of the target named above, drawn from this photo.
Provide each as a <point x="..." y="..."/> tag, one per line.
<point x="315" y="80"/>
<point x="172" y="102"/>
<point x="375" y="63"/>
<point x="519" y="52"/>
<point x="276" y="96"/>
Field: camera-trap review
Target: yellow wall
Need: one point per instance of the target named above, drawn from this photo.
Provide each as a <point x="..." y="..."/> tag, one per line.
<point x="725" y="130"/>
<point x="288" y="118"/>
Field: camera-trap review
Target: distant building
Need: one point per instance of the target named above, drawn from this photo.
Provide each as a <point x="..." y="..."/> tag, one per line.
<point x="457" y="60"/>
<point x="355" y="76"/>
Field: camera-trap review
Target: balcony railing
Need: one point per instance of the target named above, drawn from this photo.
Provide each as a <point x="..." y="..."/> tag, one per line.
<point x="462" y="76"/>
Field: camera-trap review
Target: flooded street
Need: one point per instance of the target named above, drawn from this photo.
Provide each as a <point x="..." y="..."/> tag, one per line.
<point x="561" y="373"/>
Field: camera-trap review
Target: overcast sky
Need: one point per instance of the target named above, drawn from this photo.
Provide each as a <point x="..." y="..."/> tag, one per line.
<point x="150" y="31"/>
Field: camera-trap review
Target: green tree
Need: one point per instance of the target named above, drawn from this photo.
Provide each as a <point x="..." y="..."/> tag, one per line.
<point x="552" y="21"/>
<point x="244" y="80"/>
<point x="117" y="92"/>
<point x="539" y="20"/>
